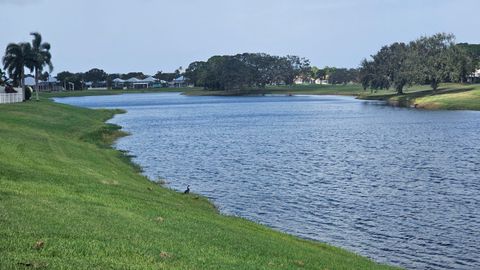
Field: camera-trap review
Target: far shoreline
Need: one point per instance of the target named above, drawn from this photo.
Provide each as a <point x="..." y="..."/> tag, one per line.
<point x="448" y="97"/>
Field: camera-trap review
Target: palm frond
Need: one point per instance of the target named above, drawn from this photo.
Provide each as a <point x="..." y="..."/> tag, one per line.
<point x="37" y="40"/>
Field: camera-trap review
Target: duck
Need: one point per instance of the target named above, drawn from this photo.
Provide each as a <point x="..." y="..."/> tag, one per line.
<point x="187" y="190"/>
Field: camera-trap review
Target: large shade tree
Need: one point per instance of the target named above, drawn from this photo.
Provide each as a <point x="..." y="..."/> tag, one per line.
<point x="391" y="66"/>
<point x="41" y="56"/>
<point x="246" y="71"/>
<point x="429" y="59"/>
<point x="17" y="57"/>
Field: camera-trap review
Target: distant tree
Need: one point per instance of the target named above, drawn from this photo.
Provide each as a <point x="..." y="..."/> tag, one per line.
<point x="165" y="76"/>
<point x="17" y="57"/>
<point x="294" y="67"/>
<point x="178" y="72"/>
<point x="369" y="77"/>
<point x="461" y="64"/>
<point x="394" y="62"/>
<point x="327" y="71"/>
<point x="321" y="74"/>
<point x="247" y="70"/>
<point x="196" y="73"/>
<point x="42" y="57"/>
<point x="473" y="50"/>
<point x="343" y="76"/>
<point x="44" y="76"/>
<point x="433" y="60"/>
<point x="314" y="72"/>
<point x="67" y="77"/>
<point x="138" y="75"/>
<point x="95" y="75"/>
<point x="432" y="55"/>
<point x="64" y="75"/>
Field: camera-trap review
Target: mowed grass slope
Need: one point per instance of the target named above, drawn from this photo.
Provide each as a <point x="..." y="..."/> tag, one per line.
<point x="449" y="96"/>
<point x="454" y="100"/>
<point x="68" y="201"/>
<point x="302" y="89"/>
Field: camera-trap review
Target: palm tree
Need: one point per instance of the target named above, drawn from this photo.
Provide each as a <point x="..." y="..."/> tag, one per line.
<point x="42" y="57"/>
<point x="17" y="57"/>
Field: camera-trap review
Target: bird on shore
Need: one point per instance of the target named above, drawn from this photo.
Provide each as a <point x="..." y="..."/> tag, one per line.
<point x="187" y="190"/>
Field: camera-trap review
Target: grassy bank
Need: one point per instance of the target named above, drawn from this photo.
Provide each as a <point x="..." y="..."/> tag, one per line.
<point x="447" y="97"/>
<point x="69" y="201"/>
<point x="115" y="92"/>
<point x="349" y="89"/>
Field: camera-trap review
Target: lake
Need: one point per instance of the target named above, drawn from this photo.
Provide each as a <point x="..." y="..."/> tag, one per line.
<point x="401" y="186"/>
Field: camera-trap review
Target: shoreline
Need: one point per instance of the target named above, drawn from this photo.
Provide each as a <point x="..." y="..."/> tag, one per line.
<point x="104" y="187"/>
<point x="447" y="97"/>
<point x="163" y="183"/>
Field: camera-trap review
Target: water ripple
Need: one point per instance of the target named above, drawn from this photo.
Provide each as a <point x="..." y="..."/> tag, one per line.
<point x="397" y="185"/>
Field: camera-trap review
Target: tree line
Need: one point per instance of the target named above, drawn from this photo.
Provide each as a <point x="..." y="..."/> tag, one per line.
<point x="247" y="70"/>
<point x="97" y="75"/>
<point x="428" y="60"/>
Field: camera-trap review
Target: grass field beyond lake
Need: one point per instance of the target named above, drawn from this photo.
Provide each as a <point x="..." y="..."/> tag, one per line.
<point x="69" y="201"/>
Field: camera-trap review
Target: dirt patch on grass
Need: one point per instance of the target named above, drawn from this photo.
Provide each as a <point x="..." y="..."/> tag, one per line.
<point x="110" y="182"/>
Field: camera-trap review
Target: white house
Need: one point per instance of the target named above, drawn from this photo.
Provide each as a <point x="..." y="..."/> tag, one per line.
<point x="475" y="77"/>
<point x="179" y="82"/>
<point x="118" y="83"/>
<point x="135" y="83"/>
<point x="308" y="80"/>
<point x="51" y="84"/>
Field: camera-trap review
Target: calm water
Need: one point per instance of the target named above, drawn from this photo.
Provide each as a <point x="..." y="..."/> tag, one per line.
<point x="400" y="186"/>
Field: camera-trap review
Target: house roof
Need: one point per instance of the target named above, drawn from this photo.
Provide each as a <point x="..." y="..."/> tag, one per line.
<point x="118" y="80"/>
<point x="51" y="80"/>
<point x="133" y="79"/>
<point x="149" y="79"/>
<point x="29" y="81"/>
<point x="179" y="79"/>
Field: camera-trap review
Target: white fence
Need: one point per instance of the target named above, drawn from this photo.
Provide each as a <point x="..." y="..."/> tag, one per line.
<point x="10" y="97"/>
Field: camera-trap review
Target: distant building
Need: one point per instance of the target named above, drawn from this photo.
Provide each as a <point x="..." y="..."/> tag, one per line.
<point x="320" y="81"/>
<point x="101" y="85"/>
<point x="179" y="82"/>
<point x="475" y="77"/>
<point x="307" y="80"/>
<point x="118" y="83"/>
<point x="135" y="83"/>
<point x="51" y="84"/>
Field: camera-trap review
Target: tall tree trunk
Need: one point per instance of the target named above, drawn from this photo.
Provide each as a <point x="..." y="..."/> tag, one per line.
<point x="399" y="90"/>
<point x="434" y="85"/>
<point x="22" y="82"/>
<point x="36" y="83"/>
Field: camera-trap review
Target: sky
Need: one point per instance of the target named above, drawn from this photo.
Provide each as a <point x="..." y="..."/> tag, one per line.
<point x="120" y="36"/>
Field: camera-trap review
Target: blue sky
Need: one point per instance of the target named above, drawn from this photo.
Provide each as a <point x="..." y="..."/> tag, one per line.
<point x="152" y="35"/>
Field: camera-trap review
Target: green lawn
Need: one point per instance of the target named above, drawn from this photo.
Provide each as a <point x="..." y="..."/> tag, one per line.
<point x="113" y="92"/>
<point x="449" y="96"/>
<point x="349" y="89"/>
<point x="460" y="100"/>
<point x="69" y="201"/>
